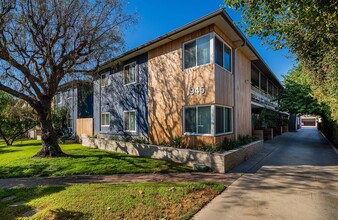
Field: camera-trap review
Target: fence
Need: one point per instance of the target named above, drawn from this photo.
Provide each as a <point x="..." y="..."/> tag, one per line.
<point x="84" y="126"/>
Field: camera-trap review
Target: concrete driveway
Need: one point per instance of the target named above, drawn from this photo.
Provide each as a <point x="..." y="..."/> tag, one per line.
<point x="294" y="177"/>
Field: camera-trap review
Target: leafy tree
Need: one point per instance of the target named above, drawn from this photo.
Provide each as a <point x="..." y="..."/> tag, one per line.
<point x="297" y="97"/>
<point x="43" y="43"/>
<point x="308" y="28"/>
<point x="15" y="118"/>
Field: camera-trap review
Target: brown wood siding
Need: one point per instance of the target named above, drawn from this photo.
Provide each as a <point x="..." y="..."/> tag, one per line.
<point x="224" y="90"/>
<point x="197" y="141"/>
<point x="243" y="94"/>
<point x="84" y="126"/>
<point x="168" y="87"/>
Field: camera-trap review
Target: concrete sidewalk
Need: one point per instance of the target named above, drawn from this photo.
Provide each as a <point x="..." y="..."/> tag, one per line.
<point x="298" y="179"/>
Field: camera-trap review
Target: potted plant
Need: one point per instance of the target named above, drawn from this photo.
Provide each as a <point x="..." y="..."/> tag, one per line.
<point x="285" y="125"/>
<point x="257" y="126"/>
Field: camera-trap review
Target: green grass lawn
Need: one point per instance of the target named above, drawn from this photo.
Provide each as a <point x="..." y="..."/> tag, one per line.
<point x="109" y="201"/>
<point x="17" y="161"/>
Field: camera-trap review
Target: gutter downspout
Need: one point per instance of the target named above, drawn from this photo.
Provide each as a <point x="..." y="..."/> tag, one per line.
<point x="235" y="88"/>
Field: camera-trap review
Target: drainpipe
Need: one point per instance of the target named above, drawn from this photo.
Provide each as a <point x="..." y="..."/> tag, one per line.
<point x="235" y="88"/>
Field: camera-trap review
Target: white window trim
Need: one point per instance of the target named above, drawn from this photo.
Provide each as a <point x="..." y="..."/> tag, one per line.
<point x="195" y="39"/>
<point x="232" y="120"/>
<point x="107" y="113"/>
<point x="224" y="42"/>
<point x="132" y="131"/>
<point x="136" y="74"/>
<point x="107" y="79"/>
<point x="213" y="120"/>
<point x="68" y="96"/>
<point x="211" y="123"/>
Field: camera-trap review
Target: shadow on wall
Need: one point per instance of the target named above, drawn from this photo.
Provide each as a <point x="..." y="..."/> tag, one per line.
<point x="169" y="91"/>
<point x="117" y="98"/>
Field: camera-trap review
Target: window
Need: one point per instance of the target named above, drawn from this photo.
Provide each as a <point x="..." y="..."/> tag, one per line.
<point x="222" y="54"/>
<point x="69" y="93"/>
<point x="207" y="120"/>
<point x="198" y="119"/>
<point x="59" y="98"/>
<point x="104" y="80"/>
<point x="105" y="119"/>
<point x="129" y="72"/>
<point x="223" y="120"/>
<point x="130" y="121"/>
<point x="197" y="52"/>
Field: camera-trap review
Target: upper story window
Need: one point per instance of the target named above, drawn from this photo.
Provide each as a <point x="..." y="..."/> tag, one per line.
<point x="129" y="72"/>
<point x="58" y="98"/>
<point x="104" y="80"/>
<point x="222" y="54"/>
<point x="207" y="49"/>
<point x="69" y="93"/>
<point x="197" y="52"/>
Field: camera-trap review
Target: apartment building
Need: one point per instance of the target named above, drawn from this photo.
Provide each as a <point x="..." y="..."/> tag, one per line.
<point x="77" y="97"/>
<point x="202" y="82"/>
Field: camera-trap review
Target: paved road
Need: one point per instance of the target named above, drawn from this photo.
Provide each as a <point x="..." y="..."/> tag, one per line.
<point x="294" y="177"/>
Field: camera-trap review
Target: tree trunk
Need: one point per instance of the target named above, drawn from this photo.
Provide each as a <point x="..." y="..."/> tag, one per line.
<point x="49" y="138"/>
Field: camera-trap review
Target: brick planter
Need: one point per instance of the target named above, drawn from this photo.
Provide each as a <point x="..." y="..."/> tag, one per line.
<point x="258" y="133"/>
<point x="217" y="162"/>
<point x="278" y="130"/>
<point x="285" y="128"/>
<point x="268" y="134"/>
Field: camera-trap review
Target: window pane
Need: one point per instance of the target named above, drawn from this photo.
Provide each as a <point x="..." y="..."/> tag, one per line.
<point x="132" y="73"/>
<point x="227" y="119"/>
<point x="204" y="120"/>
<point x="126" y="121"/>
<point x="190" y="120"/>
<point x="227" y="58"/>
<point x="107" y="119"/>
<point x="190" y="54"/>
<point x="203" y="50"/>
<point x="220" y="120"/>
<point x="132" y="121"/>
<point x="218" y="52"/>
<point x="126" y="74"/>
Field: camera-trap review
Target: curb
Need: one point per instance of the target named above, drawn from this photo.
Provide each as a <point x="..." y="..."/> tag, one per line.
<point x="333" y="147"/>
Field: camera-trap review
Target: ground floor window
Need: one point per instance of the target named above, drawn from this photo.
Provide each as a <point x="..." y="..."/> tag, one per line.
<point x="198" y="119"/>
<point x="223" y="120"/>
<point x="130" y="121"/>
<point x="207" y="120"/>
<point x="105" y="119"/>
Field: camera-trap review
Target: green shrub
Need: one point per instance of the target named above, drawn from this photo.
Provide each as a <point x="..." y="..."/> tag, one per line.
<point x="139" y="140"/>
<point x="210" y="148"/>
<point x="177" y="142"/>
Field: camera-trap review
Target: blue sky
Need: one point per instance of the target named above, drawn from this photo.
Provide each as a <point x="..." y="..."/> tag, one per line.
<point x="160" y="17"/>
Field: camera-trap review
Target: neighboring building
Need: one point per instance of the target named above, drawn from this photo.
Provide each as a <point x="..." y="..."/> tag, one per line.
<point x="308" y="120"/>
<point x="202" y="81"/>
<point x="77" y="97"/>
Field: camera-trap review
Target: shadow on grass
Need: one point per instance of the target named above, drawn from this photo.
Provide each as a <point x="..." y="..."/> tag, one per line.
<point x="21" y="171"/>
<point x="25" y="144"/>
<point x="5" y="151"/>
<point x="64" y="214"/>
<point x="11" y="211"/>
